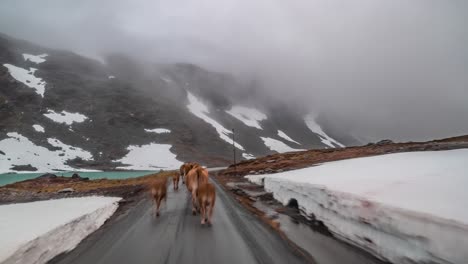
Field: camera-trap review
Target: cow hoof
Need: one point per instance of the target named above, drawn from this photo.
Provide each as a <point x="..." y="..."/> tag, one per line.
<point x="194" y="213"/>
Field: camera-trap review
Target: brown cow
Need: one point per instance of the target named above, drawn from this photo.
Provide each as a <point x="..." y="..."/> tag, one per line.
<point x="206" y="195"/>
<point x="185" y="168"/>
<point x="158" y="192"/>
<point x="196" y="177"/>
<point x="175" y="181"/>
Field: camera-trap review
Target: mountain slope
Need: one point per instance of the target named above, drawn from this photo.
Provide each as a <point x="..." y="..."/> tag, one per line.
<point x="59" y="110"/>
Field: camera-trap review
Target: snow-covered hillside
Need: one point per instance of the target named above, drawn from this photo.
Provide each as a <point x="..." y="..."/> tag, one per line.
<point x="200" y="110"/>
<point x="35" y="58"/>
<point x="65" y="117"/>
<point x="27" y="78"/>
<point x="105" y="113"/>
<point x="284" y="136"/>
<point x="406" y="206"/>
<point x="277" y="145"/>
<point x="249" y="116"/>
<point x="150" y="157"/>
<point x="38" y="231"/>
<point x="312" y="124"/>
<point x="19" y="150"/>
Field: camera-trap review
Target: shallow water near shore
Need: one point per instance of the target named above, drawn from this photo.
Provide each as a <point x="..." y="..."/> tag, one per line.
<point x="8" y="178"/>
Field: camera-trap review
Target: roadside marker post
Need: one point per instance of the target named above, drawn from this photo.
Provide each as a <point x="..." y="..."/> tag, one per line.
<point x="234" y="151"/>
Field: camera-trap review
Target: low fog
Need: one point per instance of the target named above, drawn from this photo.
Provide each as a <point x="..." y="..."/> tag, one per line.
<point x="377" y="68"/>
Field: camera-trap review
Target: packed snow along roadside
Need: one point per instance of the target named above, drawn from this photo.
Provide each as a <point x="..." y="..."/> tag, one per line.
<point x="403" y="207"/>
<point x="27" y="78"/>
<point x="158" y="130"/>
<point x="284" y="136"/>
<point x="317" y="129"/>
<point x="150" y="157"/>
<point x="35" y="58"/>
<point x="38" y="231"/>
<point x="277" y="145"/>
<point x="19" y="150"/>
<point x="249" y="116"/>
<point x="200" y="110"/>
<point x="65" y="117"/>
<point x="39" y="128"/>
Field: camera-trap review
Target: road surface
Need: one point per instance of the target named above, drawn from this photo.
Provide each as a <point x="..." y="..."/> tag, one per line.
<point x="177" y="236"/>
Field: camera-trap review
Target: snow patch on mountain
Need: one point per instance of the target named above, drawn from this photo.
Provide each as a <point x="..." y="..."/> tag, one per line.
<point x="65" y="117"/>
<point x="248" y="156"/>
<point x="39" y="128"/>
<point x="158" y="130"/>
<point x="317" y="129"/>
<point x="35" y="58"/>
<point x="404" y="206"/>
<point x="19" y="150"/>
<point x="283" y="135"/>
<point x="27" y="78"/>
<point x="277" y="145"/>
<point x="249" y="116"/>
<point x="70" y="151"/>
<point x="200" y="110"/>
<point x="38" y="231"/>
<point x="149" y="157"/>
<point x="111" y="77"/>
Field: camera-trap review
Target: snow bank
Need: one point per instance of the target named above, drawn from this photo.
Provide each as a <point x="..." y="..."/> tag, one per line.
<point x="21" y="151"/>
<point x="248" y="116"/>
<point x="39" y="128"/>
<point x="158" y="130"/>
<point x="38" y="231"/>
<point x="65" y="117"/>
<point x="150" y="157"/>
<point x="248" y="156"/>
<point x="27" y="78"/>
<point x="277" y="145"/>
<point x="283" y="135"/>
<point x="317" y="129"/>
<point x="403" y="207"/>
<point x="35" y="58"/>
<point x="200" y="110"/>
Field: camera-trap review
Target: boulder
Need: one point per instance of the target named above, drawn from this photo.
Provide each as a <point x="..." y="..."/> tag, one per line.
<point x="28" y="167"/>
<point x="47" y="176"/>
<point x="384" y="142"/>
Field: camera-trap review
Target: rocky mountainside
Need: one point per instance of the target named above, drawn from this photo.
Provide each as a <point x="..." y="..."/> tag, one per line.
<point x="62" y="111"/>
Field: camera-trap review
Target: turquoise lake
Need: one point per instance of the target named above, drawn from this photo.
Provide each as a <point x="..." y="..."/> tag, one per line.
<point x="7" y="178"/>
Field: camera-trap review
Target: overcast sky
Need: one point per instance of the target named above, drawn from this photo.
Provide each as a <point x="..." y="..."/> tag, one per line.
<point x="377" y="68"/>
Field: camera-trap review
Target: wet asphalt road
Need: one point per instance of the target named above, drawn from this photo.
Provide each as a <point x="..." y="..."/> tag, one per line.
<point x="176" y="236"/>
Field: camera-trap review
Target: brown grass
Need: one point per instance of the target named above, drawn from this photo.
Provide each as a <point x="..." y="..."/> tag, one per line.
<point x="56" y="184"/>
<point x="302" y="159"/>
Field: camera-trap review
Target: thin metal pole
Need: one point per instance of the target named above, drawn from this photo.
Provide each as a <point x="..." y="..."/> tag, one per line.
<point x="234" y="151"/>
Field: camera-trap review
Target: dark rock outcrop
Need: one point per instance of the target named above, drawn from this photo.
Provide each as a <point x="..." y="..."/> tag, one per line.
<point x="28" y="167"/>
